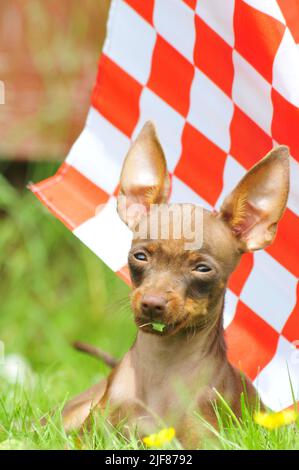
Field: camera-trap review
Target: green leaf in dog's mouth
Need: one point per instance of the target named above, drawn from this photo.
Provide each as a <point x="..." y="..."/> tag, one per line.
<point x="157" y="326"/>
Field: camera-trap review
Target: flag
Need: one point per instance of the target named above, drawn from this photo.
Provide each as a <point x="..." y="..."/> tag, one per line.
<point x="221" y="82"/>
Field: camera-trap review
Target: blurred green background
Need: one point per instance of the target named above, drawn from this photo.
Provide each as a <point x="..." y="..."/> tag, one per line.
<point x="53" y="291"/>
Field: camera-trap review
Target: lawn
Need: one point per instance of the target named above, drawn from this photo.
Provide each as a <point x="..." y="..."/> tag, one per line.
<point x="54" y="291"/>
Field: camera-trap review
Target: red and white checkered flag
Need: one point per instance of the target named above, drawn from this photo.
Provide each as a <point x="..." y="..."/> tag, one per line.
<point x="221" y="82"/>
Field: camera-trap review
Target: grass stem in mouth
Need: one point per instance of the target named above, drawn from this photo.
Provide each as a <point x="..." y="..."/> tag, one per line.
<point x="145" y="324"/>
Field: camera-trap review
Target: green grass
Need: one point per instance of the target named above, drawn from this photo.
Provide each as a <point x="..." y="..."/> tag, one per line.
<point x="53" y="291"/>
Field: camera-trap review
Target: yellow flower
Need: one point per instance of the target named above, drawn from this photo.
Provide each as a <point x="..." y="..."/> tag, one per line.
<point x="275" y="420"/>
<point x="159" y="439"/>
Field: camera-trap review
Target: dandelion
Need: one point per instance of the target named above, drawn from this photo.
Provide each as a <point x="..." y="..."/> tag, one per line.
<point x="159" y="439"/>
<point x="275" y="420"/>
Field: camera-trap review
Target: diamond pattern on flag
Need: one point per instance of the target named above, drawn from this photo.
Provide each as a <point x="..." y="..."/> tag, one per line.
<point x="220" y="79"/>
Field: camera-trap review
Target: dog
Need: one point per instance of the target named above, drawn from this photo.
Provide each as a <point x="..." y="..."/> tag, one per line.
<point x="178" y="364"/>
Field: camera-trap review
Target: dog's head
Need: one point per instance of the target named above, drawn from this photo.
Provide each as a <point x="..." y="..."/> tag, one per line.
<point x="181" y="255"/>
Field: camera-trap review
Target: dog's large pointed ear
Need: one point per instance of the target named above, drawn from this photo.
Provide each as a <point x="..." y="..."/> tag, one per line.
<point x="254" y="207"/>
<point x="144" y="178"/>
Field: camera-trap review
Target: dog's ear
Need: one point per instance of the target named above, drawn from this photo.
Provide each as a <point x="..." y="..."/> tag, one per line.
<point x="255" y="206"/>
<point x="144" y="178"/>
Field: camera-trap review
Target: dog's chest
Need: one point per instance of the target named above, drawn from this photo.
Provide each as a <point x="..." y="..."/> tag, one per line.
<point x="153" y="393"/>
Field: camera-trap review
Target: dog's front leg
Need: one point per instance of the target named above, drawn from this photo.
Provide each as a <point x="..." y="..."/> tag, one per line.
<point x="77" y="410"/>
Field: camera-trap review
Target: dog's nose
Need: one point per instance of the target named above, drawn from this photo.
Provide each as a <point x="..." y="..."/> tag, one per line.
<point x="153" y="305"/>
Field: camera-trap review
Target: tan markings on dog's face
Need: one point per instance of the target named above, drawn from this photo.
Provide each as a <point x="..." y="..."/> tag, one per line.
<point x="190" y="281"/>
<point x="195" y="307"/>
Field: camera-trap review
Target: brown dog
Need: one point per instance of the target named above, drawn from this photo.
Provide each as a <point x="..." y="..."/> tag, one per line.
<point x="172" y="373"/>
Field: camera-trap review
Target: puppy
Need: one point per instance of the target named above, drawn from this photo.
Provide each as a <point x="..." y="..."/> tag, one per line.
<point x="178" y="364"/>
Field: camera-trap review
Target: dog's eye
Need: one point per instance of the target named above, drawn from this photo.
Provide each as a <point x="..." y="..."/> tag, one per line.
<point x="202" y="268"/>
<point x="140" y="256"/>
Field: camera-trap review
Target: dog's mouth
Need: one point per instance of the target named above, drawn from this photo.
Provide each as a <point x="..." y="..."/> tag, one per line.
<point x="158" y="327"/>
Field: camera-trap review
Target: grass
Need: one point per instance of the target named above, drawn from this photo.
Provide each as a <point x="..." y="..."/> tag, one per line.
<point x="53" y="291"/>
